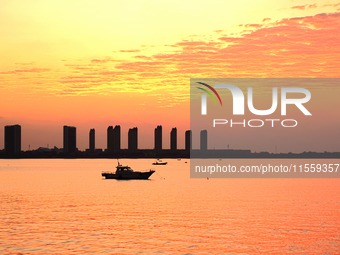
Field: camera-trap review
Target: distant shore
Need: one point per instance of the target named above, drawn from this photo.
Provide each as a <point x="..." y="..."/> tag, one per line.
<point x="150" y="153"/>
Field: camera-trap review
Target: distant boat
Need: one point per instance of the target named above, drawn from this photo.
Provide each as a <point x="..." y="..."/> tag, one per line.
<point x="127" y="173"/>
<point x="159" y="162"/>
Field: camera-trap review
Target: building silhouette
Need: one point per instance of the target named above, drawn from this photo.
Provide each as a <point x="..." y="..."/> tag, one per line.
<point x="158" y="138"/>
<point x="92" y="140"/>
<point x="12" y="147"/>
<point x="12" y="139"/>
<point x="173" y="139"/>
<point x="113" y="139"/>
<point x="188" y="138"/>
<point x="116" y="139"/>
<point x="70" y="139"/>
<point x="133" y="139"/>
<point x="204" y="140"/>
<point x="110" y="139"/>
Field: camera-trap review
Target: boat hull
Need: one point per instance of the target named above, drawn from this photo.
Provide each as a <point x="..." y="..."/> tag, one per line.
<point x="128" y="175"/>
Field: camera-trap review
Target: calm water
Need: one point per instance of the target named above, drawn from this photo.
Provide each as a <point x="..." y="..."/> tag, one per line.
<point x="64" y="207"/>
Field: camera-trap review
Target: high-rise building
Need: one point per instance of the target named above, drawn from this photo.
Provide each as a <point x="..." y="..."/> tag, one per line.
<point x="70" y="139"/>
<point x="92" y="140"/>
<point x="113" y="138"/>
<point x="110" y="139"/>
<point x="204" y="140"/>
<point x="133" y="139"/>
<point x="12" y="139"/>
<point x="116" y="138"/>
<point x="188" y="143"/>
<point x="158" y="138"/>
<point x="173" y="139"/>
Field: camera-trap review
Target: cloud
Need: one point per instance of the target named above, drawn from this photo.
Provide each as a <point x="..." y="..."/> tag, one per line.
<point x="104" y="60"/>
<point x="303" y="46"/>
<point x="129" y="51"/>
<point x="25" y="63"/>
<point x="254" y="25"/>
<point x="332" y="5"/>
<point x="304" y="7"/>
<point x="29" y="70"/>
<point x="294" y="47"/>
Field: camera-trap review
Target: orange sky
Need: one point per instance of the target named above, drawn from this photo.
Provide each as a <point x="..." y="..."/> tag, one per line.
<point x="98" y="63"/>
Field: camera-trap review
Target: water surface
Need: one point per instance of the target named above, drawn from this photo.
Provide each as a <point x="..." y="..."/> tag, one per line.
<point x="60" y="206"/>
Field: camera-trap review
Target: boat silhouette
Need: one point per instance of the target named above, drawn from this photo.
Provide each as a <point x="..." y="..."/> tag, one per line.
<point x="159" y="162"/>
<point x="127" y="173"/>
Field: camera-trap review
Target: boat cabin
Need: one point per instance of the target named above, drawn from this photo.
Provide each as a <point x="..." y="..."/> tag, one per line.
<point x="123" y="168"/>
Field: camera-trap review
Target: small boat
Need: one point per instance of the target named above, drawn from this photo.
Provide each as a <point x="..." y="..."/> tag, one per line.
<point x="159" y="162"/>
<point x="127" y="173"/>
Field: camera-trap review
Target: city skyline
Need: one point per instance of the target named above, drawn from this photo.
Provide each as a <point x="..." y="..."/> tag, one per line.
<point x="70" y="149"/>
<point x="113" y="136"/>
<point x="101" y="137"/>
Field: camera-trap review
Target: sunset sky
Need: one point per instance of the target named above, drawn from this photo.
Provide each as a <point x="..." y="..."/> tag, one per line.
<point x="92" y="64"/>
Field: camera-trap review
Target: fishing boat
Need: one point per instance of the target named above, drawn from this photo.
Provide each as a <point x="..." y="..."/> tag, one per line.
<point x="159" y="162"/>
<point x="127" y="173"/>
